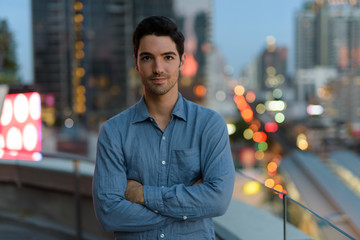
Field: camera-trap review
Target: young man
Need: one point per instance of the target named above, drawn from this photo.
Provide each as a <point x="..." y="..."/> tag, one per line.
<point x="164" y="166"/>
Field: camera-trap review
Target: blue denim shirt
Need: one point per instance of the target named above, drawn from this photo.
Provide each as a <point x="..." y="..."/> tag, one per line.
<point x="195" y="145"/>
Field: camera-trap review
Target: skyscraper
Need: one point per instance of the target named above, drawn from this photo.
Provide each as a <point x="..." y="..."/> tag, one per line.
<point x="305" y="38"/>
<point x="327" y="35"/>
<point x="83" y="56"/>
<point x="273" y="66"/>
<point x="328" y="57"/>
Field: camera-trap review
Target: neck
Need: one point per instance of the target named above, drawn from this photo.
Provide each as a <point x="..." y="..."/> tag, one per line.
<point x="161" y="107"/>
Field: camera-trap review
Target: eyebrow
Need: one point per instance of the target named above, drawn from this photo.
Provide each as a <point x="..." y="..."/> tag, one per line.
<point x="163" y="54"/>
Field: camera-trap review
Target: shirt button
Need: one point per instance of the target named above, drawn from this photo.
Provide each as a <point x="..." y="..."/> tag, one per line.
<point x="163" y="162"/>
<point x="163" y="138"/>
<point x="156" y="211"/>
<point x="184" y="217"/>
<point x="162" y="235"/>
<point x="162" y="186"/>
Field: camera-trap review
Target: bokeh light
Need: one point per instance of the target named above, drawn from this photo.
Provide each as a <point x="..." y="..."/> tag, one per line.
<point x="271" y="127"/>
<point x="270" y="183"/>
<point x="259" y="137"/>
<point x="251" y="188"/>
<point x="260" y="108"/>
<point x="231" y="128"/>
<point x="279" y="117"/>
<point x="250" y="96"/>
<point x="248" y="134"/>
<point x="239" y="90"/>
<point x="259" y="155"/>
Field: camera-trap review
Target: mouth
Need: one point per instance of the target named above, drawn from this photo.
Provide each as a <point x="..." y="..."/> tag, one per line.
<point x="158" y="79"/>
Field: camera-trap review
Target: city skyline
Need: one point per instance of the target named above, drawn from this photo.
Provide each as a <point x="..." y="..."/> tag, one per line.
<point x="279" y="23"/>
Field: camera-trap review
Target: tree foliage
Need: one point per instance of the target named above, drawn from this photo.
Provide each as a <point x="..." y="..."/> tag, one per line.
<point x="8" y="64"/>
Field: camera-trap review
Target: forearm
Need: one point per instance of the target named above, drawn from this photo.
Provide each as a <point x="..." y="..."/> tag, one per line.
<point x="209" y="199"/>
<point x="115" y="213"/>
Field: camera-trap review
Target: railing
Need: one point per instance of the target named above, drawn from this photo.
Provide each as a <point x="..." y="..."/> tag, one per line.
<point x="290" y="211"/>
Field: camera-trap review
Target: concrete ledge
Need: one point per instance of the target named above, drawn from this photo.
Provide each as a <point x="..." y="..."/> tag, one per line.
<point x="50" y="173"/>
<point x="243" y="221"/>
<point x="43" y="194"/>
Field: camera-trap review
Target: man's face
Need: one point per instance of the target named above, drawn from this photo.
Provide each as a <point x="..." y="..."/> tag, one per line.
<point x="159" y="64"/>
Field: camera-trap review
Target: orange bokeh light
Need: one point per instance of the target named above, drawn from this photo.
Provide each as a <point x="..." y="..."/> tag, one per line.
<point x="247" y="114"/>
<point x="200" y="90"/>
<point x="272" y="167"/>
<point x="250" y="96"/>
<point x="278" y="187"/>
<point x="241" y="102"/>
<point x="269" y="183"/>
<point x="259" y="137"/>
<point x="254" y="127"/>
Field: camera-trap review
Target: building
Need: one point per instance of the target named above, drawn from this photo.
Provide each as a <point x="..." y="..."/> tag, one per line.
<point x="84" y="65"/>
<point x="194" y="20"/>
<point x="328" y="58"/>
<point x="273" y="66"/>
<point x="327" y="35"/>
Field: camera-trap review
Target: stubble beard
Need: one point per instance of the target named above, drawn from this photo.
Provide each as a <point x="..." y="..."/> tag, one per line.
<point x="159" y="89"/>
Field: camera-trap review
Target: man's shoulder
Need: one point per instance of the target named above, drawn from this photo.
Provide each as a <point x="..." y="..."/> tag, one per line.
<point x="200" y="111"/>
<point x="122" y="117"/>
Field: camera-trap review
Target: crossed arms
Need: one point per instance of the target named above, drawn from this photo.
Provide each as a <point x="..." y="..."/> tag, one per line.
<point x="127" y="205"/>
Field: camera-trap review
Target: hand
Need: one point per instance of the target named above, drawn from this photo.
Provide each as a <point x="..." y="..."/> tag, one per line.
<point x="134" y="192"/>
<point x="200" y="181"/>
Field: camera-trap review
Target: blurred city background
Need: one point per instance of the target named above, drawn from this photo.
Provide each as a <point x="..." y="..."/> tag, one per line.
<point x="284" y="75"/>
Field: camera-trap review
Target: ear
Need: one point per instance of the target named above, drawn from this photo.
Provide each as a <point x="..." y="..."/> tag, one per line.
<point x="182" y="61"/>
<point x="135" y="61"/>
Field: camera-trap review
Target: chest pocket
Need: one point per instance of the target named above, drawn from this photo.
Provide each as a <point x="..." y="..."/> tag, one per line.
<point x="184" y="167"/>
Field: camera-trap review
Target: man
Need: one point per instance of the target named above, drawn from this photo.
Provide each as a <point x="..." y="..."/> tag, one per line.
<point x="164" y="166"/>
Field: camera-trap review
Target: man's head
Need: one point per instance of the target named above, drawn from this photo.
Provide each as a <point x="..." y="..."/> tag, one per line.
<point x="158" y="26"/>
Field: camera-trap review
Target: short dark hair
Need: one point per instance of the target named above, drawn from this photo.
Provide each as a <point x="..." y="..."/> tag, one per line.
<point x="158" y="26"/>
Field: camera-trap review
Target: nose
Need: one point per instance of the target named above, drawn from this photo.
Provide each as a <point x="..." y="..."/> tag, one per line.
<point x="158" y="67"/>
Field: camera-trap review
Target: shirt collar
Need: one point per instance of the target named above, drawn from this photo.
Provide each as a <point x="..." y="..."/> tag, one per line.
<point x="142" y="114"/>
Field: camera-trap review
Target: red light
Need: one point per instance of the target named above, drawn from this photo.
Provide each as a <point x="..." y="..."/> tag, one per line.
<point x="190" y="67"/>
<point x="271" y="127"/>
<point x="282" y="195"/>
<point x="20" y="127"/>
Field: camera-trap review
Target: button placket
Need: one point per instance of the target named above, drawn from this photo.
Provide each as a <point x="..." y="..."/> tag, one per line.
<point x="163" y="159"/>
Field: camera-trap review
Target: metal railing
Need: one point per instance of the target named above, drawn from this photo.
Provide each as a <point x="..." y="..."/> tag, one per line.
<point x="323" y="228"/>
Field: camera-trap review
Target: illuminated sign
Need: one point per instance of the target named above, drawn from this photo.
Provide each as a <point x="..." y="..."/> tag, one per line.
<point x="20" y="127"/>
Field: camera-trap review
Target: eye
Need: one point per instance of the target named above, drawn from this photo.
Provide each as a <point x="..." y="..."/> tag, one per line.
<point x="146" y="58"/>
<point x="169" y="57"/>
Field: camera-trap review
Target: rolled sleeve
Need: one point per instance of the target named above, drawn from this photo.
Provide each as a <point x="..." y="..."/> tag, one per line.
<point x="153" y="198"/>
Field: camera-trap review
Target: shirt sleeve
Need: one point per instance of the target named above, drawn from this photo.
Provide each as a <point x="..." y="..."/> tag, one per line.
<point x="209" y="199"/>
<point x="113" y="211"/>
